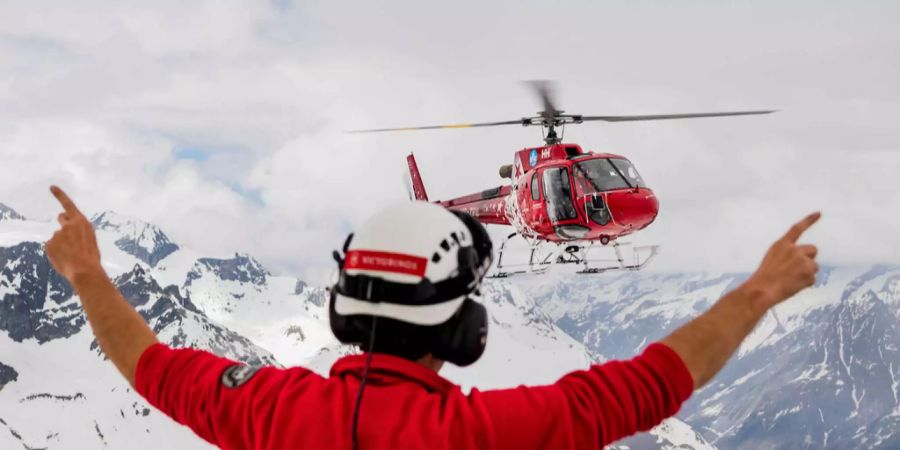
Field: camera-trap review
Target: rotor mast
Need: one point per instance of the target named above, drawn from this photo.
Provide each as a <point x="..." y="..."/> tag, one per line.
<point x="549" y="132"/>
<point x="551" y="138"/>
<point x="550" y="124"/>
<point x="549" y="117"/>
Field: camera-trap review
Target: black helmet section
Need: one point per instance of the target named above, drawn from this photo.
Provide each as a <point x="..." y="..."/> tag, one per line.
<point x="481" y="244"/>
<point x="460" y="340"/>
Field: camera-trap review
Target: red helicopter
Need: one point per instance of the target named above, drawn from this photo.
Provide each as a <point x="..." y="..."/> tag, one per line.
<point x="561" y="199"/>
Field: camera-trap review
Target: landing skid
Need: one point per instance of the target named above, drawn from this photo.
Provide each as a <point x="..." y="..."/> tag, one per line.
<point x="543" y="254"/>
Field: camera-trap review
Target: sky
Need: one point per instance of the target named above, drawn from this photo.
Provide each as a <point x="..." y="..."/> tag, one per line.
<point x="224" y="121"/>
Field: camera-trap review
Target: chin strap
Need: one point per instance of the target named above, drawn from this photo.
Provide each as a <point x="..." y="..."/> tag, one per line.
<point x="362" y="385"/>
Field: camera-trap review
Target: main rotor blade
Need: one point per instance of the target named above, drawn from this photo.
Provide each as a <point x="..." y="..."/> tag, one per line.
<point x="672" y="116"/>
<point x="544" y="90"/>
<point x="438" y="127"/>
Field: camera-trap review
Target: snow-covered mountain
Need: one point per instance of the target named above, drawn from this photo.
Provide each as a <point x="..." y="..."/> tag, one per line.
<point x="50" y="366"/>
<point x="7" y="213"/>
<point x="820" y="371"/>
<point x="142" y="240"/>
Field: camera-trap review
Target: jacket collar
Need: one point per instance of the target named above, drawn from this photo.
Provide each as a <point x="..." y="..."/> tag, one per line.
<point x="389" y="367"/>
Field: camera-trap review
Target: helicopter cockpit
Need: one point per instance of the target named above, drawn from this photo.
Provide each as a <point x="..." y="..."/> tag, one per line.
<point x="597" y="175"/>
<point x="584" y="184"/>
<point x="591" y="176"/>
<point x="606" y="174"/>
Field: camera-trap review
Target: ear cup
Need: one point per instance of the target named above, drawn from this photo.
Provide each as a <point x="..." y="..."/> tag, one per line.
<point x="462" y="339"/>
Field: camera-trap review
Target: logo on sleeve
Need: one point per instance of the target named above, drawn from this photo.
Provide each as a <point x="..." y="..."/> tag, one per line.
<point x="235" y="376"/>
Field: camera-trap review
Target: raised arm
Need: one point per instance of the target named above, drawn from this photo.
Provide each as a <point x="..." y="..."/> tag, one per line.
<point x="214" y="396"/>
<point x="706" y="343"/>
<point x="120" y="330"/>
<point x="591" y="408"/>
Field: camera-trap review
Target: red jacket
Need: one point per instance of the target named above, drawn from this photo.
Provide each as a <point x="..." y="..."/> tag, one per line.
<point x="407" y="406"/>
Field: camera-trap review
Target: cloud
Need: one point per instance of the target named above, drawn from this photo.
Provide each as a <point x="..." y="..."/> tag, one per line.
<point x="119" y="101"/>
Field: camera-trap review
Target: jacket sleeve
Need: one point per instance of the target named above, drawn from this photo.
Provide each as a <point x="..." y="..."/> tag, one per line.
<point x="591" y="408"/>
<point x="222" y="401"/>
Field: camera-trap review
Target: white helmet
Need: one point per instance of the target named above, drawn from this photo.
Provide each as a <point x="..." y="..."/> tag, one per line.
<point x="415" y="262"/>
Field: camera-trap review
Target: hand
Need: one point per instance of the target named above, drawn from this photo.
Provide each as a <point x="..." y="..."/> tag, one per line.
<point x="788" y="267"/>
<point x="73" y="249"/>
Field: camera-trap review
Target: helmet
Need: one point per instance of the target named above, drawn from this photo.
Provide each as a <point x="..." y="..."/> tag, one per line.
<point x="421" y="266"/>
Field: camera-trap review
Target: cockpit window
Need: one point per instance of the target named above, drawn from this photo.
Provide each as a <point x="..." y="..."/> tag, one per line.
<point x="558" y="193"/>
<point x="627" y="169"/>
<point x="603" y="174"/>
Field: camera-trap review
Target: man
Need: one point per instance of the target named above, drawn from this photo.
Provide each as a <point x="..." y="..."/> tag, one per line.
<point x="408" y="281"/>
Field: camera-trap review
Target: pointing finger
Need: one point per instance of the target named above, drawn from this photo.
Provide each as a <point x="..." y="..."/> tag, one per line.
<point x="800" y="227"/>
<point x="64" y="200"/>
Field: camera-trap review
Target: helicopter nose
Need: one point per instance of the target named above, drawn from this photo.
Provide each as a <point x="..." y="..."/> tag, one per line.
<point x="634" y="209"/>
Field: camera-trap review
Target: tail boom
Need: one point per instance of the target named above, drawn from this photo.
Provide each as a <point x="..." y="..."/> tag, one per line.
<point x="488" y="206"/>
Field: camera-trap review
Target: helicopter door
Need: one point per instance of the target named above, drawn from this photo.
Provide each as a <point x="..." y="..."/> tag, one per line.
<point x="558" y="195"/>
<point x="537" y="219"/>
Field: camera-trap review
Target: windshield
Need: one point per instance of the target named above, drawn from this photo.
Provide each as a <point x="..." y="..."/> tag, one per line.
<point x="602" y="174"/>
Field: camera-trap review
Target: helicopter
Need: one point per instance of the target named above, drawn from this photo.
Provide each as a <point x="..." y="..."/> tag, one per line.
<point x="561" y="199"/>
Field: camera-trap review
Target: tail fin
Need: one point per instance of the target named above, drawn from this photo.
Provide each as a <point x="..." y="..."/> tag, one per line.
<point x="418" y="186"/>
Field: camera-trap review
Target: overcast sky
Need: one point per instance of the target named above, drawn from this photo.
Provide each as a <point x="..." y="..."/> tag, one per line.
<point x="222" y="121"/>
